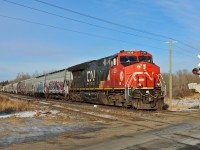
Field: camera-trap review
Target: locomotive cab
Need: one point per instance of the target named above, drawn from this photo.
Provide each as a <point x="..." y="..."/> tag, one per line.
<point x="140" y="78"/>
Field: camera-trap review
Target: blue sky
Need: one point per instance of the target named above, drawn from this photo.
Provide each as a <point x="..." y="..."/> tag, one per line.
<point x="27" y="47"/>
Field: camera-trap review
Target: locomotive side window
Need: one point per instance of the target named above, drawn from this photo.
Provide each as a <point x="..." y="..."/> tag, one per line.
<point x="127" y="60"/>
<point x="145" y="59"/>
<point x="114" y="62"/>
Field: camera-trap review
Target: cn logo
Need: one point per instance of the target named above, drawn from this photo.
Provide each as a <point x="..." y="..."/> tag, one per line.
<point x="90" y="75"/>
<point x="146" y="73"/>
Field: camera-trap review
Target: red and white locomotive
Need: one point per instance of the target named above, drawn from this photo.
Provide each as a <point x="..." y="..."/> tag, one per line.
<point x="129" y="78"/>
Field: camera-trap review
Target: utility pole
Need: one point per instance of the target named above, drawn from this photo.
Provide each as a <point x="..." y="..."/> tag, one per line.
<point x="170" y="71"/>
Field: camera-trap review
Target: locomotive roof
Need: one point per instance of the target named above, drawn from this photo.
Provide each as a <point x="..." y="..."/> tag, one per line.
<point x="80" y="67"/>
<point x="84" y="65"/>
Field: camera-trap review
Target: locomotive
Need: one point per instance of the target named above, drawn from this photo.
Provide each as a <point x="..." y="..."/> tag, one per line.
<point x="128" y="78"/>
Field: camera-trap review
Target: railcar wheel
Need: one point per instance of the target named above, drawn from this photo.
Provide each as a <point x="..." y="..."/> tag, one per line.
<point x="46" y="96"/>
<point x="67" y="97"/>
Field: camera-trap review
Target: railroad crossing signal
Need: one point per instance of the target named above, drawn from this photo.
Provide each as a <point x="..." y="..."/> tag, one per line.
<point x="196" y="71"/>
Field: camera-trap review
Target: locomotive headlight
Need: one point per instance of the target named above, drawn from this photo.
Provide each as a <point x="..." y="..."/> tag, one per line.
<point x="144" y="67"/>
<point x="139" y="85"/>
<point x="158" y="84"/>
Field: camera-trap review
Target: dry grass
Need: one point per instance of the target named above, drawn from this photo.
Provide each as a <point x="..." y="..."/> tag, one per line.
<point x="13" y="105"/>
<point x="179" y="105"/>
<point x="194" y="96"/>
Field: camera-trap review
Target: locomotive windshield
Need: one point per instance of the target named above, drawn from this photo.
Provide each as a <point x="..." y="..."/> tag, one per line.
<point x="127" y="60"/>
<point x="145" y="59"/>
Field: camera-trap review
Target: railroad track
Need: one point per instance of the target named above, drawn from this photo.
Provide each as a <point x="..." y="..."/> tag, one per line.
<point x="155" y="128"/>
<point x="104" y="113"/>
<point x="119" y="115"/>
<point x="146" y="119"/>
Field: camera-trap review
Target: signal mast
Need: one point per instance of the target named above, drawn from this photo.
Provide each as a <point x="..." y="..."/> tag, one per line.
<point x="196" y="71"/>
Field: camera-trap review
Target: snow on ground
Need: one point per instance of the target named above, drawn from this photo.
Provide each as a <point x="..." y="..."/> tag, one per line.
<point x="184" y="105"/>
<point x="28" y="114"/>
<point x="187" y="102"/>
<point x="59" y="106"/>
<point x="54" y="112"/>
<point x="29" y="131"/>
<point x="44" y="103"/>
<point x="100" y="115"/>
<point x="4" y="115"/>
<point x="25" y="114"/>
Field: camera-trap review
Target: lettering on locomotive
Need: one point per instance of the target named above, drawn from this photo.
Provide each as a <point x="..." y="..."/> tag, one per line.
<point x="90" y="76"/>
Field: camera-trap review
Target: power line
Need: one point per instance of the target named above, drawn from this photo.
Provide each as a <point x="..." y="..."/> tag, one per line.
<point x="187" y="45"/>
<point x="39" y="10"/>
<point x="102" y="20"/>
<point x="183" y="50"/>
<point x="113" y="23"/>
<point x="180" y="49"/>
<point x="70" y="30"/>
<point x="92" y="24"/>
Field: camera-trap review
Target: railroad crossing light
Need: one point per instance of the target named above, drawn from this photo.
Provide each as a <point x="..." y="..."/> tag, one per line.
<point x="196" y="71"/>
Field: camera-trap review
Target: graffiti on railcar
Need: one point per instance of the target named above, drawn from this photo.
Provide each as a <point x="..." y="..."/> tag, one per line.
<point x="55" y="87"/>
<point x="21" y="87"/>
<point x="40" y="88"/>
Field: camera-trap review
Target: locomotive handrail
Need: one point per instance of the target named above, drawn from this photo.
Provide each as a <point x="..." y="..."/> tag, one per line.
<point x="129" y="80"/>
<point x="127" y="86"/>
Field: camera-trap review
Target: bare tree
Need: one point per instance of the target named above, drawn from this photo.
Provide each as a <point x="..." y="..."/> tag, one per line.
<point x="22" y="76"/>
<point x="180" y="82"/>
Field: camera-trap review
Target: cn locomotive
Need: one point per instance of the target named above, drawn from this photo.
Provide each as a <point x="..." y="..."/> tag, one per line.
<point x="128" y="78"/>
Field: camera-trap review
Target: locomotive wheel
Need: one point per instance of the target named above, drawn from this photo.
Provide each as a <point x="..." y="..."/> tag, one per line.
<point x="153" y="104"/>
<point x="135" y="103"/>
<point x="114" y="103"/>
<point x="161" y="104"/>
<point x="103" y="98"/>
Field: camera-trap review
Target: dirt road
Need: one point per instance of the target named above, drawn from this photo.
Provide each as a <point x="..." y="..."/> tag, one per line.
<point x="80" y="127"/>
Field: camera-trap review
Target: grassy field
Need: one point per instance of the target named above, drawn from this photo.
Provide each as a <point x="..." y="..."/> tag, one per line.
<point x="8" y="105"/>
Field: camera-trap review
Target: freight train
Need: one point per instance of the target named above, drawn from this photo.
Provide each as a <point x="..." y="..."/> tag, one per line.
<point x="128" y="78"/>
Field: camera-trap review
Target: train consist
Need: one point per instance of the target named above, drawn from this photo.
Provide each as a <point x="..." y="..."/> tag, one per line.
<point x="128" y="78"/>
